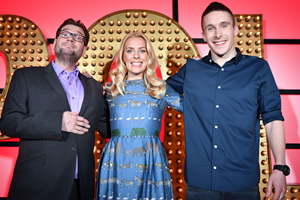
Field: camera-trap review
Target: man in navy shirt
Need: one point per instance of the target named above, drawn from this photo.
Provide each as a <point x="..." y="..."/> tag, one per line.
<point x="225" y="93"/>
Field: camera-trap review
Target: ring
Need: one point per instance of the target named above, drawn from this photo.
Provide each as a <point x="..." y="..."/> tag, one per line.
<point x="281" y="198"/>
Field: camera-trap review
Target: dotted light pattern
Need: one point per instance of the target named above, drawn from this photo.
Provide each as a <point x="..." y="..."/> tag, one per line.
<point x="250" y="38"/>
<point x="174" y="144"/>
<point x="171" y="43"/>
<point x="23" y="45"/>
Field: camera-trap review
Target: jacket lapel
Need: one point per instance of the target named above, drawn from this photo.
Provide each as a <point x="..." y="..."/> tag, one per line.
<point x="87" y="93"/>
<point x="57" y="87"/>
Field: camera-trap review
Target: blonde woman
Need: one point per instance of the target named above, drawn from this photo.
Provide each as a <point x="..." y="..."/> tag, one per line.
<point x="133" y="164"/>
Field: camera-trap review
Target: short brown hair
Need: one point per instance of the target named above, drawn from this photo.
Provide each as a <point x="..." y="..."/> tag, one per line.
<point x="78" y="23"/>
<point x="216" y="6"/>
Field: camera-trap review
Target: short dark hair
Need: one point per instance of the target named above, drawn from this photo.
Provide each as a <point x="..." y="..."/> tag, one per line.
<point x="216" y="6"/>
<point x="78" y="23"/>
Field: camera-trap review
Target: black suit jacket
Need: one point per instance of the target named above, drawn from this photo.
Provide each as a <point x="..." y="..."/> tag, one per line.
<point x="33" y="112"/>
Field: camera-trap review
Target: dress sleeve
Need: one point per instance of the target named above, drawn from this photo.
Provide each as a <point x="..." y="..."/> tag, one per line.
<point x="177" y="80"/>
<point x="174" y="99"/>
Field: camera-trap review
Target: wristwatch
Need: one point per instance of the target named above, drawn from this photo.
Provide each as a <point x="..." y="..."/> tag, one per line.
<point x="284" y="168"/>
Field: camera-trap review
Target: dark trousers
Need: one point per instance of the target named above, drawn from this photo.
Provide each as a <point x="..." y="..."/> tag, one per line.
<point x="75" y="192"/>
<point x="193" y="193"/>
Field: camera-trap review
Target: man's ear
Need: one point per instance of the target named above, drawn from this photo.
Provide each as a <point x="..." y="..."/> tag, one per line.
<point x="235" y="30"/>
<point x="203" y="36"/>
<point x="83" y="51"/>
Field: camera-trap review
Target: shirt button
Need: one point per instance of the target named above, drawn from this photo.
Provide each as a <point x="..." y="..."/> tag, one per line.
<point x="217" y="106"/>
<point x="222" y="69"/>
<point x="215" y="146"/>
<point x="219" y="87"/>
<point x="215" y="167"/>
<point x="73" y="98"/>
<point x="74" y="149"/>
<point x="216" y="126"/>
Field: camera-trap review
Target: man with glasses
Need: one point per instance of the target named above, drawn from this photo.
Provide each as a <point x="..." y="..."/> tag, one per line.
<point x="55" y="110"/>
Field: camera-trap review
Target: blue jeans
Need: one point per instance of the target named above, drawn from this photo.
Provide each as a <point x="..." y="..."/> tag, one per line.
<point x="193" y="193"/>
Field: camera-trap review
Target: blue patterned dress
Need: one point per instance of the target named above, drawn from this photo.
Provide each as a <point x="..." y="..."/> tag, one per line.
<point x="133" y="164"/>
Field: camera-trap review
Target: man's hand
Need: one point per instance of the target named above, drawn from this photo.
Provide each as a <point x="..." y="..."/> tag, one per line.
<point x="196" y="57"/>
<point x="278" y="181"/>
<point x="73" y="123"/>
<point x="86" y="74"/>
<point x="104" y="89"/>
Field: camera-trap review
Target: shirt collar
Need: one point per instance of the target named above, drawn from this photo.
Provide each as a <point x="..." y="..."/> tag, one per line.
<point x="58" y="70"/>
<point x="235" y="60"/>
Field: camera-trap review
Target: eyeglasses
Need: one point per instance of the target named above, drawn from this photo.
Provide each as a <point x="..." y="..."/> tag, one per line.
<point x="77" y="37"/>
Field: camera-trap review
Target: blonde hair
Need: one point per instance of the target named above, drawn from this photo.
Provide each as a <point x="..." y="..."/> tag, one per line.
<point x="155" y="86"/>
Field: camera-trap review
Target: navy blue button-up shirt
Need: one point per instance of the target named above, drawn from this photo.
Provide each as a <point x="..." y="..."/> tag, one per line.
<point x="222" y="108"/>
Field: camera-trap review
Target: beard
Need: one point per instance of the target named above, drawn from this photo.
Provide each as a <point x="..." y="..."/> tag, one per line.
<point x="70" y="56"/>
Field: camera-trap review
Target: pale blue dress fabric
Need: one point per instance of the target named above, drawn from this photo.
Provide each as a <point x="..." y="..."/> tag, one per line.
<point x="133" y="164"/>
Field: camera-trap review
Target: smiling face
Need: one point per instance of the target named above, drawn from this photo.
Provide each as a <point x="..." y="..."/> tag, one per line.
<point x="135" y="57"/>
<point x="66" y="48"/>
<point x="219" y="33"/>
